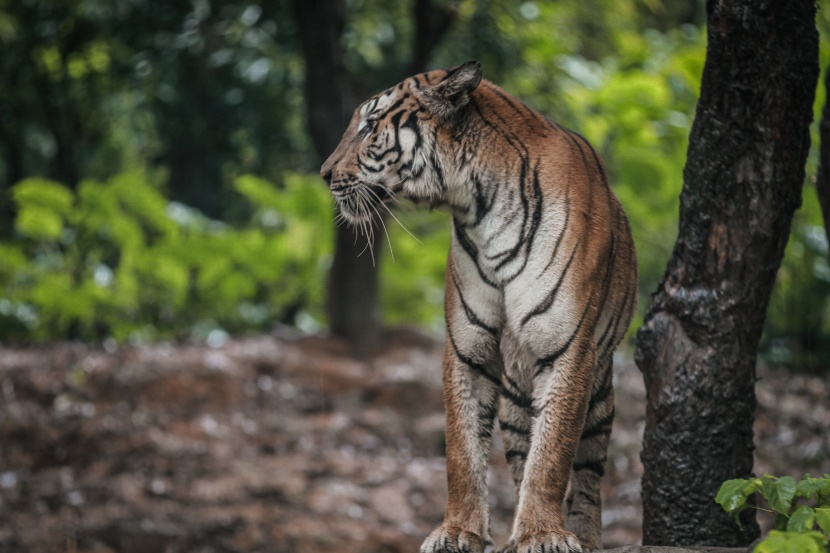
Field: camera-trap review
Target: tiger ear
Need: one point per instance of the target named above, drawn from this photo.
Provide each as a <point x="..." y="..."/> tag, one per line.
<point x="453" y="91"/>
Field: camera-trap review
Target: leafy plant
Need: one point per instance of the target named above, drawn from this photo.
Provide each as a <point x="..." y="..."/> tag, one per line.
<point x="801" y="510"/>
<point x="117" y="259"/>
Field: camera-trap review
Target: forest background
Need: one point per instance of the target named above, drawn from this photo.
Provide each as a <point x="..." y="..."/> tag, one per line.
<point x="158" y="179"/>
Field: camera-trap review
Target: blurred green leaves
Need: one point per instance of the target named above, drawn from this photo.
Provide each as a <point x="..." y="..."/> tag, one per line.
<point x="112" y="99"/>
<point x="118" y="259"/>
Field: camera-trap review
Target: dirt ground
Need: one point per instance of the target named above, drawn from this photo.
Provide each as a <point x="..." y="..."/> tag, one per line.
<point x="283" y="443"/>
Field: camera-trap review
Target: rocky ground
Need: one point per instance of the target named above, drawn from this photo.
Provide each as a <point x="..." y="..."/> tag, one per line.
<point x="284" y="443"/>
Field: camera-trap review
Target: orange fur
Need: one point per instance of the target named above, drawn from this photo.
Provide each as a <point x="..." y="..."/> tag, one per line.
<point x="540" y="288"/>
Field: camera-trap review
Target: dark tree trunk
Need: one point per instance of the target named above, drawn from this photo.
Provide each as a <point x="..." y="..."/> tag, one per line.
<point x="353" y="305"/>
<point x="431" y="24"/>
<point x="698" y="346"/>
<point x="353" y="302"/>
<point x="823" y="178"/>
<point x="13" y="159"/>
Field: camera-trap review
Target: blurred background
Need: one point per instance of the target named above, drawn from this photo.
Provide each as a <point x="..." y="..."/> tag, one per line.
<point x="158" y="159"/>
<point x="179" y="310"/>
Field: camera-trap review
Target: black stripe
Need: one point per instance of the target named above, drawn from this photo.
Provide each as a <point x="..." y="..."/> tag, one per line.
<point x="602" y="426"/>
<point x="564" y="229"/>
<point x="513" y="429"/>
<point x="570" y="136"/>
<point x="509" y="380"/>
<point x="411" y="123"/>
<point x="545" y="362"/>
<point x="471" y="315"/>
<point x="479" y="368"/>
<point x="508" y="99"/>
<point x="520" y="106"/>
<point x="535" y="221"/>
<point x="606" y="354"/>
<point x="514" y="251"/>
<point x="486" y="416"/>
<point x="469" y="246"/>
<point x="591" y="149"/>
<point x="597" y="467"/>
<point x="515" y="454"/>
<point x="520" y="400"/>
<point x="392" y="108"/>
<point x="439" y="172"/>
<point x="527" y="234"/>
<point x="592" y="499"/>
<point x="367" y="168"/>
<point x="604" y="350"/>
<point x="603" y="392"/>
<point x="483" y="205"/>
<point x="547" y="302"/>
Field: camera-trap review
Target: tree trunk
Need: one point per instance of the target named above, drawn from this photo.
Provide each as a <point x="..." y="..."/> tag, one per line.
<point x="742" y="182"/>
<point x="431" y="24"/>
<point x="353" y="305"/>
<point x="823" y="178"/>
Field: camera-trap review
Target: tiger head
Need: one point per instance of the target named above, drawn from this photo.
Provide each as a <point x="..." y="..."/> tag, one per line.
<point x="392" y="147"/>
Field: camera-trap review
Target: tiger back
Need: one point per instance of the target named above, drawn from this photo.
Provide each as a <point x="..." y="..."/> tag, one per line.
<point x="541" y="285"/>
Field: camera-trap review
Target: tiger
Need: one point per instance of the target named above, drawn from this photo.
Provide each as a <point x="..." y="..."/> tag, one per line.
<point x="540" y="288"/>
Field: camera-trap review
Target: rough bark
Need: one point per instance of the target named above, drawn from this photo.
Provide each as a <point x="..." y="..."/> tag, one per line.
<point x="353" y="305"/>
<point x="742" y="182"/>
<point x="823" y="178"/>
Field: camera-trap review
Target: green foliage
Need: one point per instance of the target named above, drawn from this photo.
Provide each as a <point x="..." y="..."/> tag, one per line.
<point x="797" y="329"/>
<point x="792" y="542"/>
<point x="118" y="259"/>
<point x="413" y="275"/>
<point x="801" y="510"/>
<point x="192" y="95"/>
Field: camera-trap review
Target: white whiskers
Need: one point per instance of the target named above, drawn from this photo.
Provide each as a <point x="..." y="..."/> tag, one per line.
<point x="363" y="201"/>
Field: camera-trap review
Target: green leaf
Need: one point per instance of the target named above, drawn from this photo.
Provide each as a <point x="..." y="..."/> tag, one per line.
<point x="809" y="487"/>
<point x="43" y="193"/>
<point x="823" y="518"/>
<point x="792" y="542"/>
<point x="259" y="192"/>
<point x="802" y="519"/>
<point x="781" y="522"/>
<point x="39" y="223"/>
<point x="731" y="496"/>
<point x="779" y="493"/>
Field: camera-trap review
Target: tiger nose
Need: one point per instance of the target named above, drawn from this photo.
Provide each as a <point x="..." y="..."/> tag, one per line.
<point x="326" y="174"/>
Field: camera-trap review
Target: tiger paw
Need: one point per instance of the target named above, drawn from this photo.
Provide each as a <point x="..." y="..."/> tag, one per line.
<point x="448" y="539"/>
<point x="548" y="542"/>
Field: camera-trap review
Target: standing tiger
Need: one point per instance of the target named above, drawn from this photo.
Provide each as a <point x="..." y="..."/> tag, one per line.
<point x="541" y="284"/>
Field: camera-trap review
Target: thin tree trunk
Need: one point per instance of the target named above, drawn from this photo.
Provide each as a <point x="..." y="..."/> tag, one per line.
<point x="431" y="24"/>
<point x="823" y="178"/>
<point x="698" y="346"/>
<point x="353" y="302"/>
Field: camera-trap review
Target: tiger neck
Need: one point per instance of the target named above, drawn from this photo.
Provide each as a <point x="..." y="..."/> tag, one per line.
<point x="496" y="223"/>
<point x="495" y="200"/>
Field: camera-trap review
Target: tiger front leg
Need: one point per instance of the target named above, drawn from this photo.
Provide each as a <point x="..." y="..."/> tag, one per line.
<point x="560" y="401"/>
<point x="470" y="401"/>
